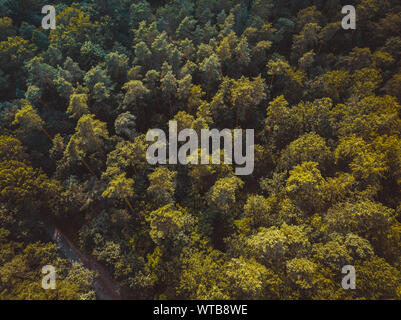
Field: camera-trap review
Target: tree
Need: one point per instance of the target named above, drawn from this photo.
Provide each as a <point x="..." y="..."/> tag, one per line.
<point x="306" y="61"/>
<point x="57" y="150"/>
<point x="73" y="29"/>
<point x="11" y="149"/>
<point x="184" y="87"/>
<point x="246" y="95"/>
<point x="151" y="81"/>
<point x="333" y="84"/>
<point x="24" y="281"/>
<point x="171" y="227"/>
<point x="33" y="94"/>
<point x="365" y="218"/>
<point x="225" y="50"/>
<point x="370" y="116"/>
<point x="184" y="120"/>
<point x="6" y="28"/>
<point x="308" y="147"/>
<point x="204" y="176"/>
<point x="139" y="12"/>
<point x="128" y="157"/>
<point x="186" y="27"/>
<point x="91" y="54"/>
<point x="188" y="49"/>
<point x="271" y="246"/>
<point x="28" y="118"/>
<point x="378" y="279"/>
<point x="308" y="15"/>
<point x="117" y="66"/>
<point x="242" y="52"/>
<point x="172" y="61"/>
<point x="169" y="88"/>
<point x="162" y="186"/>
<point x="343" y="250"/>
<point x="211" y="71"/>
<point x="305" y="186"/>
<point x="261" y="9"/>
<point x="326" y="186"/>
<point x="23" y="185"/>
<point x="277" y="67"/>
<point x="393" y="86"/>
<point x="41" y="74"/>
<point x="246" y="278"/>
<point x="195" y="98"/>
<point x="120" y="187"/>
<point x="365" y="81"/>
<point x="14" y="51"/>
<point x="88" y="137"/>
<point x="282" y="125"/>
<point x="125" y="125"/>
<point x="202" y="276"/>
<point x="159" y="49"/>
<point x="78" y="105"/>
<point x="259" y="210"/>
<point x="367" y="165"/>
<point x="301" y="272"/>
<point x="96" y="76"/>
<point x="259" y="54"/>
<point x="142" y="54"/>
<point x="135" y="91"/>
<point x="73" y="68"/>
<point x="306" y="40"/>
<point x="223" y="193"/>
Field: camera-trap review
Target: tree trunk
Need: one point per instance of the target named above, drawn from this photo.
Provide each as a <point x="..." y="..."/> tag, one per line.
<point x="320" y="47"/>
<point x="46" y="133"/>
<point x="87" y="167"/>
<point x="129" y="204"/>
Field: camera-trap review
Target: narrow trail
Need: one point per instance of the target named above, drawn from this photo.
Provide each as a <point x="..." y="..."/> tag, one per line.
<point x="106" y="288"/>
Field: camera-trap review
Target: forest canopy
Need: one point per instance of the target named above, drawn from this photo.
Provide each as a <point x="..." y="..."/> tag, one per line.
<point x="77" y="101"/>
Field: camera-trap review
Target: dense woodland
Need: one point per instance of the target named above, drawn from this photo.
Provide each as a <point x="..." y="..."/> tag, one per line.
<point x="76" y="103"/>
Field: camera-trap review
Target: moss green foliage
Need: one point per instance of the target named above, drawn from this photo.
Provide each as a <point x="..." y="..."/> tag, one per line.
<point x="76" y="103"/>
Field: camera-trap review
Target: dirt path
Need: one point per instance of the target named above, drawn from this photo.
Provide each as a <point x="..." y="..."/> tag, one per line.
<point x="106" y="288"/>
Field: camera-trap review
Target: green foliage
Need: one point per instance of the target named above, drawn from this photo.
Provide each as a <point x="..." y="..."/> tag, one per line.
<point x="11" y="149"/>
<point x="162" y="186"/>
<point x="120" y="186"/>
<point x="77" y="101"/>
<point x="170" y="227"/>
<point x="365" y="218"/>
<point x="23" y="185"/>
<point x="305" y="186"/>
<point x="309" y="147"/>
<point x="13" y="52"/>
<point x="21" y="276"/>
<point x="224" y="192"/>
<point x="78" y="105"/>
<point x="28" y="118"/>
